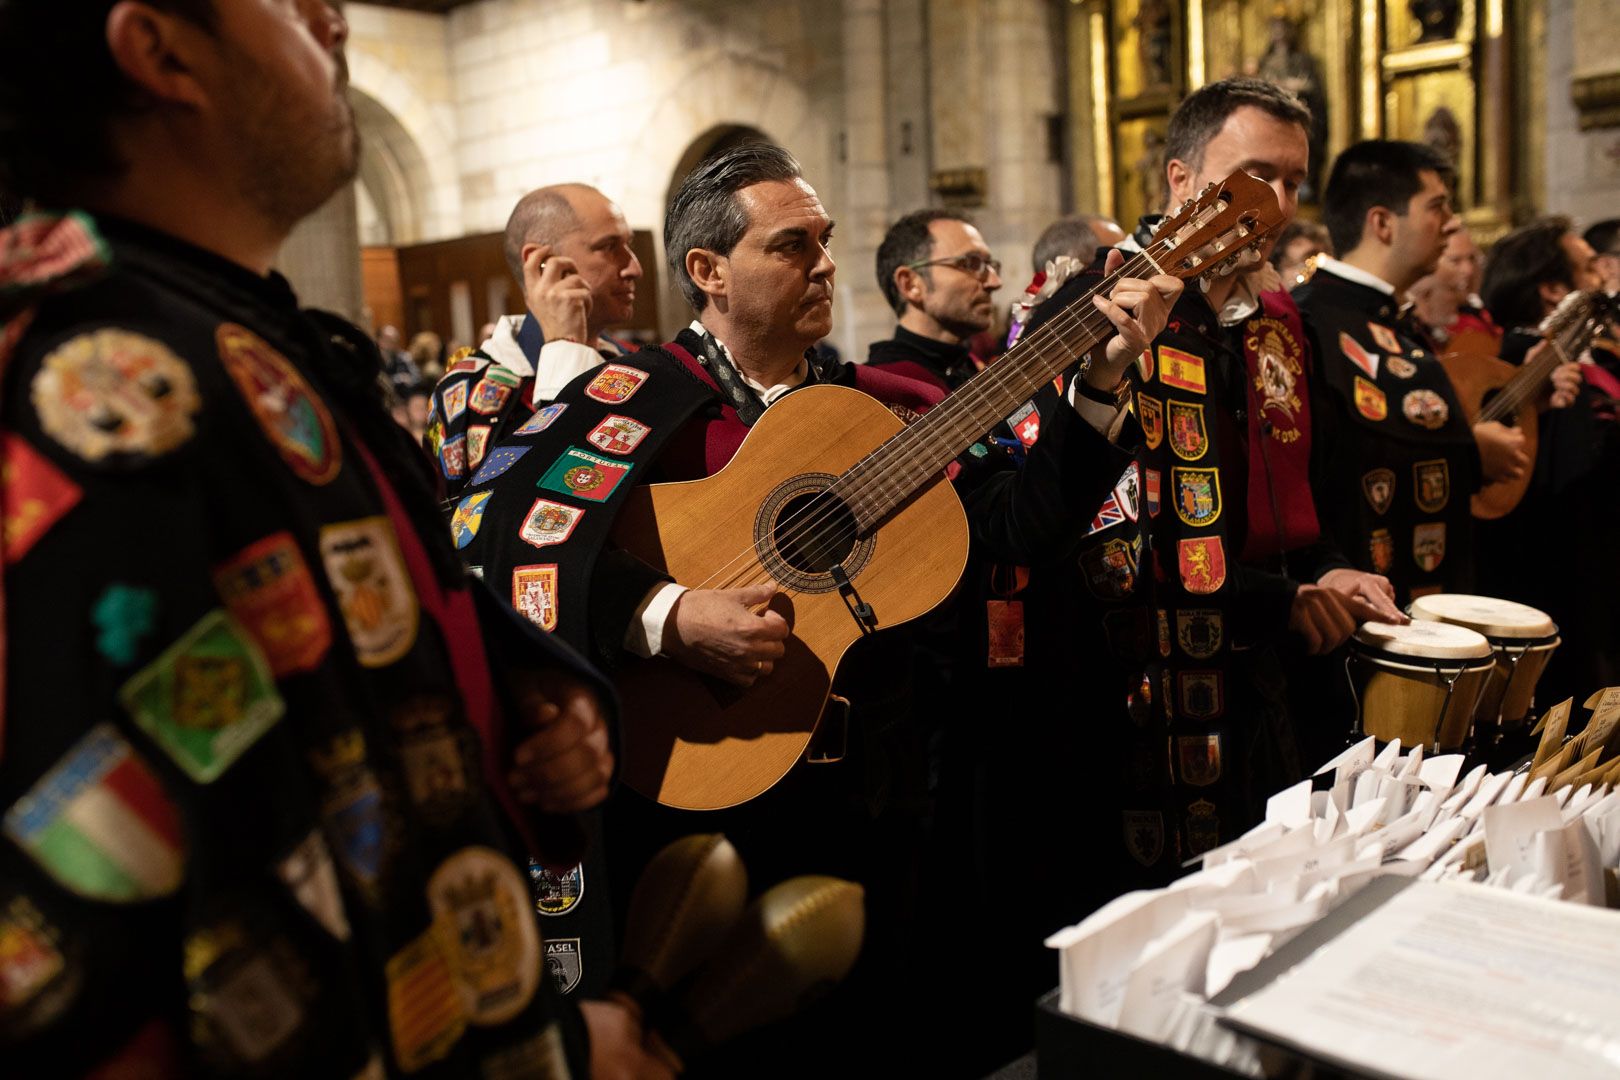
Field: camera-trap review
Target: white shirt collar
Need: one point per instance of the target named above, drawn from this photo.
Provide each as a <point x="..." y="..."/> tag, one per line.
<point x="503" y="348"/>
<point x="1355" y="274"/>
<point x="767" y="394"/>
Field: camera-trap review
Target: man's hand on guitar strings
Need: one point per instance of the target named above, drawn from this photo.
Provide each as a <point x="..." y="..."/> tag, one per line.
<point x="1139" y="309"/>
<point x="718" y="632"/>
<point x="565" y="762"/>
<point x="1502" y="455"/>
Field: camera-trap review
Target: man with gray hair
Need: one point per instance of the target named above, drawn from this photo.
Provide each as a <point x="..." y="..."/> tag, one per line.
<point x="568" y="247"/>
<point x="1078" y="236"/>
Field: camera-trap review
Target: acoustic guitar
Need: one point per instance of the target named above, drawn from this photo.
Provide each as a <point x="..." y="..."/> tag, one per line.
<point x="849" y="512"/>
<point x="1493" y="389"/>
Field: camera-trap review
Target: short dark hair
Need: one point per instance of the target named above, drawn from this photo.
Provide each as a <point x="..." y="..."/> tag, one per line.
<point x="1375" y="172"/>
<point x="1294" y="230"/>
<point x="1604" y="237"/>
<point x="705" y="212"/>
<point x="1528" y="257"/>
<point x="1202" y="114"/>
<point x="1066" y="236"/>
<point x="544" y="216"/>
<point x="51" y="144"/>
<point x="907" y="241"/>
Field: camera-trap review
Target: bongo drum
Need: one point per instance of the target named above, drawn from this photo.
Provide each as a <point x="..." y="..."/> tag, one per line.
<point x="1418" y="683"/>
<point x="1523" y="638"/>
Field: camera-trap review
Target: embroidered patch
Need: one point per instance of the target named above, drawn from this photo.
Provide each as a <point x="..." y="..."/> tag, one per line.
<point x="1277" y="362"/>
<point x="585" y="476"/>
<point x="1357" y="355"/>
<point x="482" y="903"/>
<point x="1429" y="545"/>
<point x="541" y="420"/>
<point x="1129" y="491"/>
<point x="466" y="359"/>
<point x="1198" y="495"/>
<point x="563" y="963"/>
<point x="34" y="494"/>
<point x="288" y="410"/>
<point x="100" y="823"/>
<point x="1108" y="515"/>
<point x="1203" y="827"/>
<point x="123" y="617"/>
<point x="1198" y="759"/>
<point x="1384" y="338"/>
<point x="549" y="523"/>
<point x="1150" y="414"/>
<point x="469" y="514"/>
<point x="455" y="399"/>
<point x="1144" y="364"/>
<point x="1110" y="569"/>
<point x="355" y="813"/>
<point x="453" y="458"/>
<point x="310" y="876"/>
<point x="1400" y="367"/>
<point x="433" y="438"/>
<point x="1370" y="400"/>
<point x="1431" y="485"/>
<point x="268" y="589"/>
<point x="249" y="996"/>
<point x="1180" y="369"/>
<point x="36" y="979"/>
<point x="1202" y="562"/>
<point x="435" y="756"/>
<point x="1379" y="488"/>
<point x="1199" y="632"/>
<point x="489" y="396"/>
<point x="1164" y="632"/>
<point x="426" y="1016"/>
<point x="112" y="392"/>
<point x="1144" y="835"/>
<point x="374" y="592"/>
<point x="556" y="894"/>
<point x="477" y="443"/>
<point x="1188" y="437"/>
<point x="1381" y="550"/>
<point x="618" y="434"/>
<point x="1426" y="409"/>
<point x="1152" y="487"/>
<point x="534" y="594"/>
<point x="1025" y="423"/>
<point x="207" y="698"/>
<point x="500" y="459"/>
<point x="615" y="383"/>
<point x="1200" y="697"/>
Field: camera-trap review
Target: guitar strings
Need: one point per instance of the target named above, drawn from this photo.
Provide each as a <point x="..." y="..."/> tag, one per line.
<point x="1021" y="362"/>
<point x="1513" y="397"/>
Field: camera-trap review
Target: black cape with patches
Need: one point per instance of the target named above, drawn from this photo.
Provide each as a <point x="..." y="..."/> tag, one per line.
<point x="262" y="957"/>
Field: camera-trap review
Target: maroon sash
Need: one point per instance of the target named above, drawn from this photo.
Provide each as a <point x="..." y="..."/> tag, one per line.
<point x="1282" y="516"/>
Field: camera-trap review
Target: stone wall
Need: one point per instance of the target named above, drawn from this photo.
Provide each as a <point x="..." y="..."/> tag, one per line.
<point x="1582" y="167"/>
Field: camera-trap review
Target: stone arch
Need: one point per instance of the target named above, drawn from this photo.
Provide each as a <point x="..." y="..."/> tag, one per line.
<point x="407" y="154"/>
<point x="736" y="94"/>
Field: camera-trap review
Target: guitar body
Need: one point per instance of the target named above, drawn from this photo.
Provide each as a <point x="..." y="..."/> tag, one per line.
<point x="701" y="744"/>
<point x="1477" y="376"/>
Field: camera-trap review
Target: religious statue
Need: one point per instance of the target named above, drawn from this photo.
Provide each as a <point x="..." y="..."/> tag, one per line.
<point x="1286" y="63"/>
<point x="1152" y="24"/>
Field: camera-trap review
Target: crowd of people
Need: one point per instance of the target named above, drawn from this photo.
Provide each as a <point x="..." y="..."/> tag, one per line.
<point x="313" y="729"/>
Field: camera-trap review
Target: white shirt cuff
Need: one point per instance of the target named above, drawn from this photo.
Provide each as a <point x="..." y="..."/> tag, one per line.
<point x="644" y="637"/>
<point x="561" y="362"/>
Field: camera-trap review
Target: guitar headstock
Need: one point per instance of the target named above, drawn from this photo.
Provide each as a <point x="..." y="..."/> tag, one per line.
<point x="1212" y="230"/>
<point x="1571" y="316"/>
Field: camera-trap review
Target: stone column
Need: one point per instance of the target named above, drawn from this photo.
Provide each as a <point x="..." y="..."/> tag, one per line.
<point x="862" y="207"/>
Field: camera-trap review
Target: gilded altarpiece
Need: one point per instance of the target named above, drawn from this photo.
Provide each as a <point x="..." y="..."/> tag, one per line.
<point x="1434" y="71"/>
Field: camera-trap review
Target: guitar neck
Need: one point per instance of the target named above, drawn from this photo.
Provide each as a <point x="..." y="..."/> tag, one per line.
<point x="1565" y="343"/>
<point x="895" y="471"/>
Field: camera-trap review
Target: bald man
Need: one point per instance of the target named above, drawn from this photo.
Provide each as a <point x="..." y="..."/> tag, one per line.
<point x="568" y="245"/>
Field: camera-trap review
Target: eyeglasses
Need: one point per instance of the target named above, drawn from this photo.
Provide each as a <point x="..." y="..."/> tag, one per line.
<point x="972" y="262"/>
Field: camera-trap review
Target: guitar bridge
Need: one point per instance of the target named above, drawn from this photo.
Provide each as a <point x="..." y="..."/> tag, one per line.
<point x="859" y="609"/>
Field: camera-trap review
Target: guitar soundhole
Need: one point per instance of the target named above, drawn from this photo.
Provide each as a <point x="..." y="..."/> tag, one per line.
<point x="802" y="532"/>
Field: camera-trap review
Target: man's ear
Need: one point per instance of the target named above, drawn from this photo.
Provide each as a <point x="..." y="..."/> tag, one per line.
<point x="910" y="285"/>
<point x="711" y="273"/>
<point x="157" y="51"/>
<point x="1178" y="177"/>
<point x="1379" y="224"/>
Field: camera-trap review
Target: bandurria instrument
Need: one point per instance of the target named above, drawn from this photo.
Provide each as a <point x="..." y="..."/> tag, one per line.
<point x="1491" y="389"/>
<point x="849" y="512"/>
